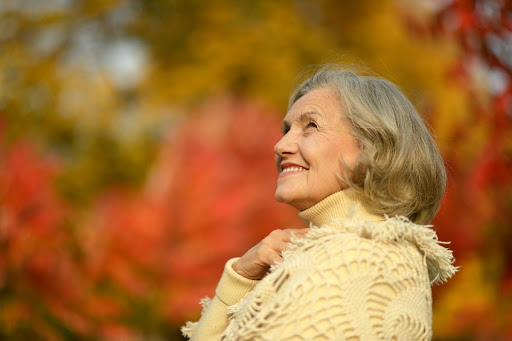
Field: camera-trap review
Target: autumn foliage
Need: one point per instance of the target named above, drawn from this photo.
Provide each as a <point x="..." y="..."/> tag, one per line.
<point x="139" y="260"/>
<point x="37" y="270"/>
<point x="477" y="211"/>
<point x="208" y="197"/>
<point x="123" y="194"/>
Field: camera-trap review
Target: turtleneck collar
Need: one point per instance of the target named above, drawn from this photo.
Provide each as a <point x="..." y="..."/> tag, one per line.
<point x="337" y="206"/>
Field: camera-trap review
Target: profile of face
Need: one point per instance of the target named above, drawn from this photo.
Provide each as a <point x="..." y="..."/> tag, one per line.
<point x="316" y="138"/>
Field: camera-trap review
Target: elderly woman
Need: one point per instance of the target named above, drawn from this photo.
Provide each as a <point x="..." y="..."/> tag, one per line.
<point x="359" y="164"/>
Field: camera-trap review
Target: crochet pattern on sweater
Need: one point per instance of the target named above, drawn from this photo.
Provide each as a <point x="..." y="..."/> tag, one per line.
<point x="350" y="280"/>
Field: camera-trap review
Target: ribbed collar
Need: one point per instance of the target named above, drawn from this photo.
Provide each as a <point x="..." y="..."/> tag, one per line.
<point x="338" y="206"/>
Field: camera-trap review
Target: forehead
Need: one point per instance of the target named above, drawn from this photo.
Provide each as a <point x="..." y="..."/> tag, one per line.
<point x="322" y="102"/>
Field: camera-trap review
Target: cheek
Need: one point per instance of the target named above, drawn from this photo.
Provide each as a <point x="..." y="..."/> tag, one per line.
<point x="350" y="160"/>
<point x="350" y="151"/>
<point x="335" y="161"/>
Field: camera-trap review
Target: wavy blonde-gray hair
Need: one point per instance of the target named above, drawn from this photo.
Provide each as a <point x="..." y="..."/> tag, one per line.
<point x="400" y="170"/>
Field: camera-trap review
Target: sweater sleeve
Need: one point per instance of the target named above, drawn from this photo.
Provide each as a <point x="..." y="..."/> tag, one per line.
<point x="344" y="289"/>
<point x="214" y="318"/>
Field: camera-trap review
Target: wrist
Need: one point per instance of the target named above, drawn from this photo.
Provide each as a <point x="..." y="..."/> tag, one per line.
<point x="232" y="287"/>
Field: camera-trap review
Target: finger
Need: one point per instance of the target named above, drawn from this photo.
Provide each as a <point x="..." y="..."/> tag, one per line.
<point x="282" y="235"/>
<point x="274" y="246"/>
<point x="279" y="234"/>
<point x="303" y="231"/>
<point x="274" y="257"/>
<point x="299" y="233"/>
<point x="280" y="247"/>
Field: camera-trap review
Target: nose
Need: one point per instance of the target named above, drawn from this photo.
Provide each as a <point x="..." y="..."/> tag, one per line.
<point x="286" y="145"/>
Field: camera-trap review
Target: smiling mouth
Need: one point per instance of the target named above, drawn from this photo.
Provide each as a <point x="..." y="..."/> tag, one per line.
<point x="293" y="169"/>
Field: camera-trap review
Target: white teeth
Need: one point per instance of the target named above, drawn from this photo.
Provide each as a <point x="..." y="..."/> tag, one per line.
<point x="293" y="169"/>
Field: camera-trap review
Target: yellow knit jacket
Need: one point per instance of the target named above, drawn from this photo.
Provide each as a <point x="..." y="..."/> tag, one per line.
<point x="355" y="276"/>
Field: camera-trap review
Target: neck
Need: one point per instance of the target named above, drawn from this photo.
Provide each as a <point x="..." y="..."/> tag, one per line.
<point x="338" y="206"/>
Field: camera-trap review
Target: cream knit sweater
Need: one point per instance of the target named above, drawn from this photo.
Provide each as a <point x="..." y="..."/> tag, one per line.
<point x="355" y="276"/>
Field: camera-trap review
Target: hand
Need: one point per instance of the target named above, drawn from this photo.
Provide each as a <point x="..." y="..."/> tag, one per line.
<point x="254" y="264"/>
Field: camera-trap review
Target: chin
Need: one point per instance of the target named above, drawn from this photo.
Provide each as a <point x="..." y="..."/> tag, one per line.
<point x="283" y="198"/>
<point x="289" y="201"/>
<point x="279" y="198"/>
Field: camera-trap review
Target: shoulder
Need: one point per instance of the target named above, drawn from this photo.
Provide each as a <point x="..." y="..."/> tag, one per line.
<point x="385" y="246"/>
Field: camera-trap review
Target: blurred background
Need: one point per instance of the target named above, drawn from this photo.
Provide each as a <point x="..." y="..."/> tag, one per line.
<point x="136" y="149"/>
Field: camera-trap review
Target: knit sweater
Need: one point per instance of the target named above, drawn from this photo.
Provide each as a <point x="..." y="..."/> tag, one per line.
<point x="355" y="276"/>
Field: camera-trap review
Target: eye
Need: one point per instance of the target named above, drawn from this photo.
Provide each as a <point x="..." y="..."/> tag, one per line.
<point x="285" y="127"/>
<point x="311" y="124"/>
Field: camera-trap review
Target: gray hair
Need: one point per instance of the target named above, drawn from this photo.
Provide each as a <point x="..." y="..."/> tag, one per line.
<point x="400" y="170"/>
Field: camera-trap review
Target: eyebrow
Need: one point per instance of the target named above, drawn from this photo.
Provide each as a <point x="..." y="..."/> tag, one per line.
<point x="285" y="126"/>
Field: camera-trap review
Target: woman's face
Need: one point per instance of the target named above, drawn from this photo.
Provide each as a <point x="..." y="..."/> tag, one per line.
<point x="308" y="157"/>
